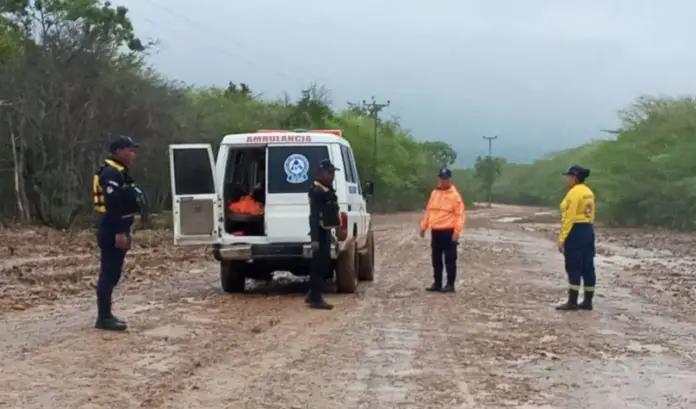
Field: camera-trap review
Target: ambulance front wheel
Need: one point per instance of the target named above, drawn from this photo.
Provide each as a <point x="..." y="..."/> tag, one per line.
<point x="232" y="276"/>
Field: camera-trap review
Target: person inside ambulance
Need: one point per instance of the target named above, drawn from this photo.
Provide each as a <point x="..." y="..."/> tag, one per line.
<point x="444" y="216"/>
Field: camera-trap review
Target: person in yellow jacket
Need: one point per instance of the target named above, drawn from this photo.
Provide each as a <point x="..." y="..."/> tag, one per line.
<point x="577" y="239"/>
<point x="444" y="216"/>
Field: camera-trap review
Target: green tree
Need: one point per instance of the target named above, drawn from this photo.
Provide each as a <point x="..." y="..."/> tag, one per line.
<point x="645" y="177"/>
<point x="443" y="153"/>
<point x="82" y="80"/>
<point x="488" y="169"/>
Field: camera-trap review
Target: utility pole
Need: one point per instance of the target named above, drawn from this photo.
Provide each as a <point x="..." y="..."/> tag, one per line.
<point x="373" y="109"/>
<point x="489" y="166"/>
<point x="490" y="140"/>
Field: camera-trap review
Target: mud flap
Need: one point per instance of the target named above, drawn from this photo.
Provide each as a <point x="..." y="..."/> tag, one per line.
<point x="346" y="268"/>
<point x="366" y="260"/>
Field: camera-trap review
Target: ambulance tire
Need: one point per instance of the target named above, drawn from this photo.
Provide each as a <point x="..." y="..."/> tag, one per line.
<point x="232" y="276"/>
<point x="366" y="261"/>
<point x="347" y="268"/>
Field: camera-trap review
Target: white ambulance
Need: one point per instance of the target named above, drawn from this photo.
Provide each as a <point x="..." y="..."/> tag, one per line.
<point x="276" y="168"/>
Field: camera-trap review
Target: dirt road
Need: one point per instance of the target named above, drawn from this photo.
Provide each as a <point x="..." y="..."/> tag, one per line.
<point x="496" y="343"/>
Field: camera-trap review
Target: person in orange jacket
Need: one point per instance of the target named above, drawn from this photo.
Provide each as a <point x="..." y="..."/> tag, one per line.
<point x="444" y="216"/>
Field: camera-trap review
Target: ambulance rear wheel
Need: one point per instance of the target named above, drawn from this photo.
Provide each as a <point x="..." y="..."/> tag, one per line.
<point x="232" y="276"/>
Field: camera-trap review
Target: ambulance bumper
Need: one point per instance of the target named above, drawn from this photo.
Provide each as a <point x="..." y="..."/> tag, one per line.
<point x="266" y="251"/>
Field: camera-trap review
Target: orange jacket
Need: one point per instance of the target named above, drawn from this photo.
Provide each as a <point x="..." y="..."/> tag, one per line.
<point x="445" y="210"/>
<point x="246" y="205"/>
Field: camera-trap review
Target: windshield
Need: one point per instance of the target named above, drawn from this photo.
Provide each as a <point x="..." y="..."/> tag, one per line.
<point x="291" y="169"/>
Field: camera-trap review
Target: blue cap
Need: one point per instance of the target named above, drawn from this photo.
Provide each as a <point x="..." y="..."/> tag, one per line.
<point x="444" y="173"/>
<point x="326" y="165"/>
<point x="122" y="142"/>
<point x="575" y="170"/>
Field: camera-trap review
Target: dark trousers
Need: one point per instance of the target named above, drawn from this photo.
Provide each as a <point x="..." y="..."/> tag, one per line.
<point x="110" y="268"/>
<point x="320" y="266"/>
<point x="579" y="253"/>
<point x="443" y="245"/>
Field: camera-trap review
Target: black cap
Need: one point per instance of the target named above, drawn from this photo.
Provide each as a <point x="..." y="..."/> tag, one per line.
<point x="575" y="170"/>
<point x="122" y="142"/>
<point x="326" y="165"/>
<point x="444" y="173"/>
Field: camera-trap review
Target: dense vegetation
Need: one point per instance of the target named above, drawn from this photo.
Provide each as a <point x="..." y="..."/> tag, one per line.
<point x="646" y="176"/>
<point x="72" y="76"/>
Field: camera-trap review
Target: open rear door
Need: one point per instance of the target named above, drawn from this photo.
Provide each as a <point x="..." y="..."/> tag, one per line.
<point x="197" y="204"/>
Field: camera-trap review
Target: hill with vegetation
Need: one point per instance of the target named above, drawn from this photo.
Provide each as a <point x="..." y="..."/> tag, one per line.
<point x="73" y="75"/>
<point x="646" y="176"/>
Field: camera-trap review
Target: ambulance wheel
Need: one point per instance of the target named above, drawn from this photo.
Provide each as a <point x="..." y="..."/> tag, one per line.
<point x="232" y="276"/>
<point x="346" y="268"/>
<point x="366" y="261"/>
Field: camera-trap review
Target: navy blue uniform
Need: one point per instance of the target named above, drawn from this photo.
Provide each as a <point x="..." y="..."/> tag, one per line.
<point x="323" y="216"/>
<point x="116" y="201"/>
<point x="577" y="240"/>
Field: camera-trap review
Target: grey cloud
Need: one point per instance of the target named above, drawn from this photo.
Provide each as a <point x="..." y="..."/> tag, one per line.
<point x="542" y="74"/>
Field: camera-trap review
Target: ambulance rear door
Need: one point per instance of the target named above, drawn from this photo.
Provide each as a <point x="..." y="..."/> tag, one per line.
<point x="196" y="201"/>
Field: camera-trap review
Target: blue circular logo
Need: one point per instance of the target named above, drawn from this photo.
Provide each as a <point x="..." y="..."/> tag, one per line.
<point x="296" y="168"/>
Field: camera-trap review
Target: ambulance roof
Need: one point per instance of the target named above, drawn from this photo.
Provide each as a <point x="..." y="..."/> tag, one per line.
<point x="270" y="137"/>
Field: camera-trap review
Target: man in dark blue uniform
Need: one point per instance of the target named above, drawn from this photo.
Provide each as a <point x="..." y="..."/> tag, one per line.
<point x="116" y="202"/>
<point x="323" y="217"/>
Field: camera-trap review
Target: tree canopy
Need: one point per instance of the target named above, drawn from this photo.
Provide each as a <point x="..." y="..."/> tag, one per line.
<point x="73" y="76"/>
<point x="644" y="177"/>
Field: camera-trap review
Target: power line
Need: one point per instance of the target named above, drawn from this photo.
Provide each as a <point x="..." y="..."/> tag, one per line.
<point x="373" y="109"/>
<point x="212" y="29"/>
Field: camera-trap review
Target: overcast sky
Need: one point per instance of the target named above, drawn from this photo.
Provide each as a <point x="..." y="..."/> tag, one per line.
<point x="541" y="74"/>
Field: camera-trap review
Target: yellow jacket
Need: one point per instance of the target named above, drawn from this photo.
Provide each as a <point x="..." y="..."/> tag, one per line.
<point x="578" y="206"/>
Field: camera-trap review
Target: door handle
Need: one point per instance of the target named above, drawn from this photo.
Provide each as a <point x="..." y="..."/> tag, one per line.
<point x="349" y="208"/>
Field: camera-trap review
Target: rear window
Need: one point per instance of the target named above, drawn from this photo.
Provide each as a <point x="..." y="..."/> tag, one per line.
<point x="192" y="173"/>
<point x="291" y="169"/>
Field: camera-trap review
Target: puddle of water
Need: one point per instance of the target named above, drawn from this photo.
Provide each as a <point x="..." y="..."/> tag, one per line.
<point x="508" y="219"/>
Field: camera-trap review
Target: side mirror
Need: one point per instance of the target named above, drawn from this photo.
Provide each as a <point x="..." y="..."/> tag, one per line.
<point x="369" y="189"/>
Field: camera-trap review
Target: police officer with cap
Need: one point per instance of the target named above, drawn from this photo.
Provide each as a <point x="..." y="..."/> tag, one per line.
<point x="444" y="216"/>
<point x="577" y="239"/>
<point x="116" y="201"/>
<point x="323" y="217"/>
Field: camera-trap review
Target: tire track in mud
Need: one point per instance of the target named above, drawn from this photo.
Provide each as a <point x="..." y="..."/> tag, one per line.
<point x="287" y="366"/>
<point x="496" y="343"/>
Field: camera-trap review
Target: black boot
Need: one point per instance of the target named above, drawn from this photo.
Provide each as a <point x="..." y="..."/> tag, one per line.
<point x="449" y="288"/>
<point x="435" y="288"/>
<point x="106" y="320"/>
<point x="110" y="324"/>
<point x="587" y="301"/>
<point x="319" y="304"/>
<point x="571" y="304"/>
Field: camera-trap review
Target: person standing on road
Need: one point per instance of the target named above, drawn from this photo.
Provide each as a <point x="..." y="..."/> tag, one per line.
<point x="444" y="216"/>
<point x="116" y="202"/>
<point x="577" y="238"/>
<point x="323" y="217"/>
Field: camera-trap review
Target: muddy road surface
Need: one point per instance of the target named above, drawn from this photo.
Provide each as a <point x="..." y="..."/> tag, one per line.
<point x="496" y="343"/>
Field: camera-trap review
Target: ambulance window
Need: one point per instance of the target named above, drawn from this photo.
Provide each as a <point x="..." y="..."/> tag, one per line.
<point x="192" y="173"/>
<point x="291" y="169"/>
<point x="348" y="170"/>
<point x="355" y="170"/>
